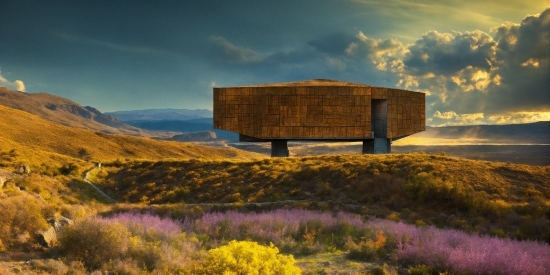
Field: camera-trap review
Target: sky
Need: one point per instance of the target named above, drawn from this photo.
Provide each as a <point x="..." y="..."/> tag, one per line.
<point x="479" y="62"/>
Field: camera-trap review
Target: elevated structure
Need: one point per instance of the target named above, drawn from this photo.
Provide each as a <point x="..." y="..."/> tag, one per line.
<point x="319" y="110"/>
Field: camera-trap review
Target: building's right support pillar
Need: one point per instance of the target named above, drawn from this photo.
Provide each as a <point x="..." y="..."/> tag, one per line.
<point x="279" y="148"/>
<point x="368" y="146"/>
<point x="382" y="146"/>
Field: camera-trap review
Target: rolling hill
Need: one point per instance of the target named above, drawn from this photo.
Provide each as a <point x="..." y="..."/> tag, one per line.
<point x="64" y="111"/>
<point x="35" y="141"/>
<point x="490" y="197"/>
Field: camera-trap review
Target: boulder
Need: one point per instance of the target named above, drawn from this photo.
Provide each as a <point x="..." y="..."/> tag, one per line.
<point x="23" y="169"/>
<point x="59" y="224"/>
<point x="47" y="238"/>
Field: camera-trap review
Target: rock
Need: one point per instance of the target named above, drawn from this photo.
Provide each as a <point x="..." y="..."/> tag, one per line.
<point x="59" y="224"/>
<point x="47" y="238"/>
<point x="2" y="181"/>
<point x="22" y="169"/>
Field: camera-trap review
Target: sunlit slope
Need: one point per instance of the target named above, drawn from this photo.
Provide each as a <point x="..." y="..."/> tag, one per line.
<point x="65" y="111"/>
<point x="37" y="141"/>
<point x="461" y="193"/>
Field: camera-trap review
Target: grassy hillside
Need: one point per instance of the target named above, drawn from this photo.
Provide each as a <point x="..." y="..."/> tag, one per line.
<point x="32" y="140"/>
<point x="491" y="197"/>
<point x="66" y="112"/>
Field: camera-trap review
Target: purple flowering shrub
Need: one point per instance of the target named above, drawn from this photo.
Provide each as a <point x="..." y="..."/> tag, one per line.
<point x="165" y="244"/>
<point x="464" y="253"/>
<point x="146" y="222"/>
<point x="451" y="250"/>
<point x="290" y="230"/>
<point x="149" y="241"/>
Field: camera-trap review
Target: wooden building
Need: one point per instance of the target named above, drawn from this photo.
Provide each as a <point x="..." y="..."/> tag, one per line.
<point x="319" y="109"/>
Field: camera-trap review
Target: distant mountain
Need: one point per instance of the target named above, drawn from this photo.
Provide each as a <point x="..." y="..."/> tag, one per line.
<point x="536" y="133"/>
<point x="161" y="114"/>
<point x="186" y="126"/>
<point x="64" y="111"/>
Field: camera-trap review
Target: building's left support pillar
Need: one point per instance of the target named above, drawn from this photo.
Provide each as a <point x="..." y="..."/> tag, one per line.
<point x="368" y="146"/>
<point x="279" y="148"/>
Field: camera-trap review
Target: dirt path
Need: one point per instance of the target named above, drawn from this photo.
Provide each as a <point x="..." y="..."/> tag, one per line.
<point x="87" y="180"/>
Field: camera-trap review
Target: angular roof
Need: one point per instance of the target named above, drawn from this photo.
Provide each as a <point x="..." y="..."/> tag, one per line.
<point x="309" y="83"/>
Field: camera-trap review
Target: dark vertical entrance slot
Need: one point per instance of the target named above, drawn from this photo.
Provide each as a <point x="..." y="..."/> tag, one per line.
<point x="379" y="117"/>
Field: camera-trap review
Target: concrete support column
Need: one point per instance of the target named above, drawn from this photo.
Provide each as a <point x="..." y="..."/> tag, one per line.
<point x="279" y="148"/>
<point x="382" y="145"/>
<point x="368" y="146"/>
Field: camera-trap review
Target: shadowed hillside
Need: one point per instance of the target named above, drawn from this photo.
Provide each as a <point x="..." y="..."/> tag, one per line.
<point x="491" y="197"/>
<point x="64" y="111"/>
<point x="34" y="140"/>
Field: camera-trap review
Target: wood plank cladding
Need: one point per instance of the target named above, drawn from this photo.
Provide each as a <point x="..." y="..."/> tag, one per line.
<point x="315" y="109"/>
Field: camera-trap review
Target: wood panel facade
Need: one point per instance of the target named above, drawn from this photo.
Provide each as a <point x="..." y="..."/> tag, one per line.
<point x="316" y="109"/>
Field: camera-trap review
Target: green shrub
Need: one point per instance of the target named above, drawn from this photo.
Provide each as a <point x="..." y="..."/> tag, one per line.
<point x="246" y="258"/>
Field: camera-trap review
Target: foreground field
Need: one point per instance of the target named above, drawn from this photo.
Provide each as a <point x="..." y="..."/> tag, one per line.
<point x="321" y="243"/>
<point x="499" y="199"/>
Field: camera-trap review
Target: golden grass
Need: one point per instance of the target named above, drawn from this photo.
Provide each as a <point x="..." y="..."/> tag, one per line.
<point x="418" y="188"/>
<point x="37" y="141"/>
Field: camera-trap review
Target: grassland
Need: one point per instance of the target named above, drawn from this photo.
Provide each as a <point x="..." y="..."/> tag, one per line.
<point x="494" y="198"/>
<point x="43" y="145"/>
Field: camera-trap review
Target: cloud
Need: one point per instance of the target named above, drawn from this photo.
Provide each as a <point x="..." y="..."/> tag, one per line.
<point x="519" y="117"/>
<point x="383" y="54"/>
<point x="17" y="85"/>
<point x="228" y="52"/>
<point x="504" y="75"/>
<point x="451" y="118"/>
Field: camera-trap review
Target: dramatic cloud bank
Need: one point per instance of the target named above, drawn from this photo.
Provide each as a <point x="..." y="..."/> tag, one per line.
<point x="476" y="78"/>
<point x="469" y="77"/>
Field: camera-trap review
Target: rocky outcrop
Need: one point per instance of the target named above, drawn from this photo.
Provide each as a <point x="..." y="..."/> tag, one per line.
<point x="48" y="237"/>
<point x="22" y="169"/>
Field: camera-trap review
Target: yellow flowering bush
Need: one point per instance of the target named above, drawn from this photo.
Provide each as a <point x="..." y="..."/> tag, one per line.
<point x="246" y="258"/>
